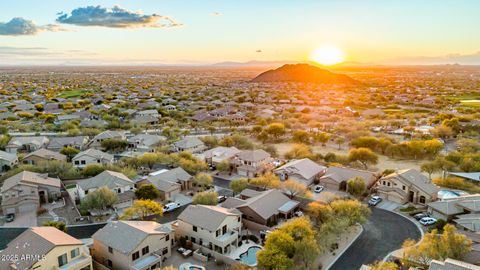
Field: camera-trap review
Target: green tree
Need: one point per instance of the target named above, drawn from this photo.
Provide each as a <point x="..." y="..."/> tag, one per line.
<point x="238" y="185"/>
<point x="69" y="151"/>
<point x="142" y="209"/>
<point x="364" y="156"/>
<point x="148" y="159"/>
<point x="147" y="192"/>
<point x="429" y="167"/>
<point x="356" y="186"/>
<point x="301" y="136"/>
<point x="277" y="130"/>
<point x="339" y="141"/>
<point x="268" y="180"/>
<point x="92" y="170"/>
<point x="203" y="180"/>
<point x="205" y="198"/>
<point x="57" y="224"/>
<point x="293" y="188"/>
<point x="223" y="166"/>
<point x="435" y="246"/>
<point x="384" y="266"/>
<point x="322" y="138"/>
<point x="299" y="151"/>
<point x="100" y="199"/>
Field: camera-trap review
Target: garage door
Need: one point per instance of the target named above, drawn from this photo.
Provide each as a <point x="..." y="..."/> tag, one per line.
<point x="27" y="208"/>
<point x="394" y="198"/>
<point x="10" y="211"/>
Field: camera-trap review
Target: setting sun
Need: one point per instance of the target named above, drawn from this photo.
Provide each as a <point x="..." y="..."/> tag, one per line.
<point x="327" y="55"/>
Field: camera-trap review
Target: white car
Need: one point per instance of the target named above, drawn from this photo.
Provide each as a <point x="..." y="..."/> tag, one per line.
<point x="374" y="200"/>
<point x="170" y="206"/>
<point x="318" y="189"/>
<point x="427" y="221"/>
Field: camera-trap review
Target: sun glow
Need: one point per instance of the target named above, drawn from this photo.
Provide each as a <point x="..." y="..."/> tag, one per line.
<point x="327" y="55"/>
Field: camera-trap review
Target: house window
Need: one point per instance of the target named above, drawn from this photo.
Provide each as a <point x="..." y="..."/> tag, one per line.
<point x="194" y="228"/>
<point x="145" y="250"/>
<point x="224" y="229"/>
<point x="217" y="233"/>
<point x="98" y="160"/>
<point x="86" y="192"/>
<point x="74" y="253"/>
<point x="384" y="183"/>
<point x="165" y="251"/>
<point x="62" y="260"/>
<point x="193" y="240"/>
<point x="388" y="184"/>
<point x="110" y="264"/>
<point x="110" y="249"/>
<point x="77" y="162"/>
<point x="82" y="162"/>
<point x="167" y="237"/>
<point x="135" y="256"/>
<point x="404" y="187"/>
<point x="422" y="199"/>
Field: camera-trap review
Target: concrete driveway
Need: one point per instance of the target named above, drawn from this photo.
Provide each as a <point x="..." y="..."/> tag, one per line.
<point x="383" y="233"/>
<point x="26" y="219"/>
<point x="388" y="205"/>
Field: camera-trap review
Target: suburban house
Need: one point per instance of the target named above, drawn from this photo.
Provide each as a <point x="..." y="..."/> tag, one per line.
<point x="91" y="156"/>
<point x="219" y="154"/>
<point x="144" y="142"/>
<point x="45" y="248"/>
<point x="115" y="181"/>
<point x="57" y="143"/>
<point x="170" y="182"/>
<point x="25" y="191"/>
<point x="212" y="227"/>
<point x="26" y="144"/>
<point x="407" y="186"/>
<point x="304" y="171"/>
<point x="471" y="176"/>
<point x="96" y="142"/>
<point x="263" y="207"/>
<point x="463" y="210"/>
<point x="132" y="245"/>
<point x="336" y="178"/>
<point x="251" y="163"/>
<point x="42" y="154"/>
<point x="61" y="119"/>
<point x="451" y="264"/>
<point x="153" y="113"/>
<point x="190" y="144"/>
<point x="7" y="161"/>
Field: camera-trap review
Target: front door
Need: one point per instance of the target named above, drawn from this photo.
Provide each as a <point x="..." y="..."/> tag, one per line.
<point x="410" y="196"/>
<point x="41" y="194"/>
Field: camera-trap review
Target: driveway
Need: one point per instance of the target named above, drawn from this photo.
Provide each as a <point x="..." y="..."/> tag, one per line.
<point x="26" y="219"/>
<point x="388" y="205"/>
<point x="383" y="233"/>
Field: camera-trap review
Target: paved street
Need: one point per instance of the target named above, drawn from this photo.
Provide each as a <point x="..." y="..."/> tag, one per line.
<point x="384" y="232"/>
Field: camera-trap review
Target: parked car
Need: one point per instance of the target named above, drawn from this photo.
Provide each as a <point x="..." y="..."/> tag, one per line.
<point x="420" y="216"/>
<point x="298" y="214"/>
<point x="427" y="221"/>
<point x="9" y="217"/>
<point x="221" y="198"/>
<point x="170" y="206"/>
<point x="374" y="200"/>
<point x="318" y="189"/>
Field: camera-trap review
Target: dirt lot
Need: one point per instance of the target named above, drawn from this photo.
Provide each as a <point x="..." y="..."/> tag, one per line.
<point x="384" y="162"/>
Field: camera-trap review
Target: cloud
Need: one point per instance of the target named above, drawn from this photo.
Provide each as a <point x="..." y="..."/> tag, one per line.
<point x="115" y="17"/>
<point x="216" y="14"/>
<point x="22" y="27"/>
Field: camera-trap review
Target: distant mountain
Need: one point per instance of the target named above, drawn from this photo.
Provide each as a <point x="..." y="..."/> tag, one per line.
<point x="253" y="63"/>
<point x="303" y="73"/>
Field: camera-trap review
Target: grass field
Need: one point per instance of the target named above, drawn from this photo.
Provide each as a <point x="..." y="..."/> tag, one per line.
<point x="72" y="93"/>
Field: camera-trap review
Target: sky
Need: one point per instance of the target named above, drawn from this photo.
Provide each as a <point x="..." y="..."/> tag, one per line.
<point x="207" y="31"/>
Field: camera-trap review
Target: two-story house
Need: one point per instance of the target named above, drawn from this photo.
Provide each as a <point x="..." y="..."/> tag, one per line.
<point x="144" y="142"/>
<point x="96" y="142"/>
<point x="26" y="144"/>
<point x="219" y="154"/>
<point x="45" y="248"/>
<point x="115" y="181"/>
<point x="214" y="228"/>
<point x="92" y="156"/>
<point x="251" y="163"/>
<point x="25" y="191"/>
<point x="407" y="186"/>
<point x="128" y="245"/>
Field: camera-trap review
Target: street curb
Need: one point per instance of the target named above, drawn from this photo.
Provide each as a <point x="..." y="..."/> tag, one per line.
<point x="422" y="234"/>
<point x="343" y="251"/>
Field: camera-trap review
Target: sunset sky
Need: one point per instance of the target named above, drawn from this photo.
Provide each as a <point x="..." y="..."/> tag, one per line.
<point x="203" y="32"/>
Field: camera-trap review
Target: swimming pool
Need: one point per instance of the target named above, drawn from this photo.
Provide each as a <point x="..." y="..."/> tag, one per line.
<point x="249" y="257"/>
<point x="449" y="194"/>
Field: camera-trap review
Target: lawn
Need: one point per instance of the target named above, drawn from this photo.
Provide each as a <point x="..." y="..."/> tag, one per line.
<point x="72" y="93"/>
